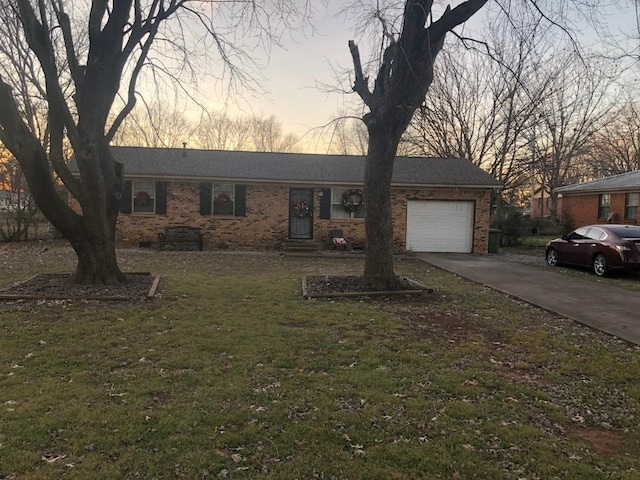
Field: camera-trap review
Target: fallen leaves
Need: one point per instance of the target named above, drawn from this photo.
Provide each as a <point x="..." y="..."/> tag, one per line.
<point x="51" y="458"/>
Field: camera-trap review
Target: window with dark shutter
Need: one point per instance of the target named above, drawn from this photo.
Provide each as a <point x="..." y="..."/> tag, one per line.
<point x="161" y="198"/>
<point x="205" y="199"/>
<point x="325" y="203"/>
<point x="241" y="201"/>
<point x="125" y="203"/>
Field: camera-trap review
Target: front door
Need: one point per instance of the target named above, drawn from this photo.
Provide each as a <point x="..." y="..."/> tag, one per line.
<point x="301" y="213"/>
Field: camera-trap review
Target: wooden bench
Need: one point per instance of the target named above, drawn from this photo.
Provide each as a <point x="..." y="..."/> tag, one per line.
<point x="180" y="234"/>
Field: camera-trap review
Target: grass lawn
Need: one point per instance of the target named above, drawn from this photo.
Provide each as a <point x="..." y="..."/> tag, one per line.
<point x="230" y="374"/>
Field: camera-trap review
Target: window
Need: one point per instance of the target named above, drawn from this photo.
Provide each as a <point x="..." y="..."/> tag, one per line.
<point x="337" y="206"/>
<point x="579" y="234"/>
<point x="596" y="234"/>
<point x="144" y="197"/>
<point x="223" y="199"/>
<point x="631" y="206"/>
<point x="604" y="202"/>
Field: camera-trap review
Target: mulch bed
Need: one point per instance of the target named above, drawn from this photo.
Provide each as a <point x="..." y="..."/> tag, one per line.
<point x="352" y="286"/>
<point x="60" y="286"/>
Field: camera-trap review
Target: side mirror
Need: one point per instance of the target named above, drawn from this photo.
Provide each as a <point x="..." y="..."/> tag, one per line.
<point x="564" y="237"/>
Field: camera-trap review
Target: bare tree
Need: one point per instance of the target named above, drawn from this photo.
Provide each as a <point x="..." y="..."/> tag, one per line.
<point x="80" y="57"/>
<point x="410" y="41"/>
<point x="481" y="110"/>
<point x="577" y="106"/>
<point x="219" y="131"/>
<point x="347" y="136"/>
<point x="156" y="125"/>
<point x="484" y="100"/>
<point x="267" y="135"/>
<point x="20" y="213"/>
<point x="403" y="78"/>
<point x="615" y="146"/>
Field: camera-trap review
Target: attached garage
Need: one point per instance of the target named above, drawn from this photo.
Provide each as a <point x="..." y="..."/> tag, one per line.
<point x="440" y="226"/>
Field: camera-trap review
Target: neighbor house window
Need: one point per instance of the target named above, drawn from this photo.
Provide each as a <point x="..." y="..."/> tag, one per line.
<point x="144" y="197"/>
<point x="223" y="199"/>
<point x="338" y="209"/>
<point x="604" y="203"/>
<point x="631" y="206"/>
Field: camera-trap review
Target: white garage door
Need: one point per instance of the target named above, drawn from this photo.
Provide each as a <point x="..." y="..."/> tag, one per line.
<point x="440" y="226"/>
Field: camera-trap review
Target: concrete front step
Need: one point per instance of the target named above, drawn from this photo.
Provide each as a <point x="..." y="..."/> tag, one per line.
<point x="301" y="246"/>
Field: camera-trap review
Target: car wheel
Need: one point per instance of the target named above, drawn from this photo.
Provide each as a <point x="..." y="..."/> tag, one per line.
<point x="552" y="257"/>
<point x="600" y="265"/>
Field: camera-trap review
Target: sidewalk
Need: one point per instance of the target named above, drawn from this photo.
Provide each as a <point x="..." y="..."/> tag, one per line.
<point x="609" y="309"/>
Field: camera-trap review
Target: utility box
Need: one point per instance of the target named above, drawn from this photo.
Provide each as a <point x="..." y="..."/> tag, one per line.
<point x="494" y="240"/>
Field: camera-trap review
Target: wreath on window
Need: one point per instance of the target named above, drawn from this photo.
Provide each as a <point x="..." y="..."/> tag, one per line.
<point x="224" y="198"/>
<point x="352" y="200"/>
<point x="301" y="208"/>
<point x="143" y="199"/>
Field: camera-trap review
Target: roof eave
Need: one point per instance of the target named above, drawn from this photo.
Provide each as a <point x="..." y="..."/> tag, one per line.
<point x="299" y="182"/>
<point x="598" y="190"/>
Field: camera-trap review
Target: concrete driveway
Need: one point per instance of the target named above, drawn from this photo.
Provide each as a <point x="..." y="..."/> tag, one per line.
<point x="603" y="307"/>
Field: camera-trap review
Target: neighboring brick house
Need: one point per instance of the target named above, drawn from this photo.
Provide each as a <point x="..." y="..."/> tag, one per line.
<point x="607" y="200"/>
<point x="256" y="200"/>
<point x="541" y="201"/>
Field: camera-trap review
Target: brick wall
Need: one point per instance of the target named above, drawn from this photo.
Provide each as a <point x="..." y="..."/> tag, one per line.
<point x="583" y="209"/>
<point x="266" y="223"/>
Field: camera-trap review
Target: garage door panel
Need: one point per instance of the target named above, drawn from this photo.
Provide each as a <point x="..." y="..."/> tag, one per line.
<point x="440" y="226"/>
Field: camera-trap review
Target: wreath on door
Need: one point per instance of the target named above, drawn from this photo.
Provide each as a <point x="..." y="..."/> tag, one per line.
<point x="352" y="200"/>
<point x="301" y="208"/>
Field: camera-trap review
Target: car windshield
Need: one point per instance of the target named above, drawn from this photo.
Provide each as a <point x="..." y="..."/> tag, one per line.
<point x="626" y="232"/>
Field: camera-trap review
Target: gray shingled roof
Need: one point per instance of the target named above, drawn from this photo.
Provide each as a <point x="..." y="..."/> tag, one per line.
<point x="291" y="168"/>
<point x="622" y="182"/>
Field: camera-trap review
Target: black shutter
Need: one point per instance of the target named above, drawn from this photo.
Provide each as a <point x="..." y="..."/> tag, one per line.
<point x="125" y="203"/>
<point x="241" y="201"/>
<point x="161" y="198"/>
<point x="205" y="199"/>
<point x="325" y="203"/>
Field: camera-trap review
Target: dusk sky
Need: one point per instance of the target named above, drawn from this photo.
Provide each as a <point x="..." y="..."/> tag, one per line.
<point x="293" y="73"/>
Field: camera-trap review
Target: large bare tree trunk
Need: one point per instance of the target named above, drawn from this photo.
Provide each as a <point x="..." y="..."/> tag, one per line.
<point x="92" y="233"/>
<point x="378" y="268"/>
<point x="385" y="129"/>
<point x="97" y="263"/>
<point x="402" y="81"/>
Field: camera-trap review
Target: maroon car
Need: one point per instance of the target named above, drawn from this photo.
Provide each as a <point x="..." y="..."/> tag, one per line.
<point x="601" y="247"/>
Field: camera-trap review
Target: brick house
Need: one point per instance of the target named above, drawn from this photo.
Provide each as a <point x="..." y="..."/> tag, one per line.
<point x="256" y="200"/>
<point x="612" y="199"/>
<point x="541" y="201"/>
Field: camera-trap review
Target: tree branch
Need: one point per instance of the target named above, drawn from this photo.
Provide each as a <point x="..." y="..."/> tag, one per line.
<point x="77" y="73"/>
<point x="23" y="144"/>
<point x="361" y="83"/>
<point x="37" y="36"/>
<point x="451" y="18"/>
